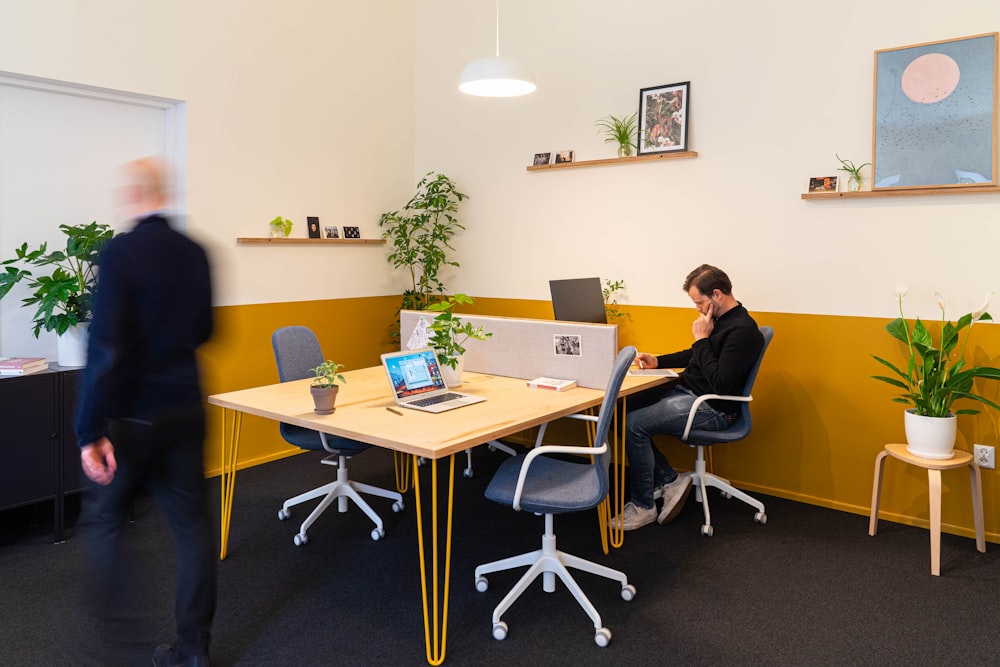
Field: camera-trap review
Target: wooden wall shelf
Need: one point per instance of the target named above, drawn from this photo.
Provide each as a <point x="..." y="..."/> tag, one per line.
<point x="909" y="192"/>
<point x="614" y="161"/>
<point x="301" y="241"/>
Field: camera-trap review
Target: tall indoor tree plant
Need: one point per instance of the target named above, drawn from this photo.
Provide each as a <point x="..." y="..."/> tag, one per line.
<point x="936" y="375"/>
<point x="421" y="236"/>
<point x="63" y="297"/>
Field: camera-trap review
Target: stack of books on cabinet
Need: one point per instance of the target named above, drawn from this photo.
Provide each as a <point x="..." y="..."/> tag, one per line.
<point x="22" y="365"/>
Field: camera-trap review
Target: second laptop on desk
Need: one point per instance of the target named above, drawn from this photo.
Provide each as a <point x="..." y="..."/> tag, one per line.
<point x="417" y="383"/>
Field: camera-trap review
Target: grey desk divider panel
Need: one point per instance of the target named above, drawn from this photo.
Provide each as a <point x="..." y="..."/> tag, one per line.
<point x="524" y="348"/>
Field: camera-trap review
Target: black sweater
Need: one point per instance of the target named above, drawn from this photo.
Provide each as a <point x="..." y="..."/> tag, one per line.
<point x="152" y="309"/>
<point x="720" y="363"/>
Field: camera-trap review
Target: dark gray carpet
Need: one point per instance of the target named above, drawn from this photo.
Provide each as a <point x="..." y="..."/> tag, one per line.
<point x="810" y="587"/>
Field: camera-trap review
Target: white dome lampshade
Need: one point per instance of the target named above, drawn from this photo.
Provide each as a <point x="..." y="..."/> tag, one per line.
<point x="496" y="76"/>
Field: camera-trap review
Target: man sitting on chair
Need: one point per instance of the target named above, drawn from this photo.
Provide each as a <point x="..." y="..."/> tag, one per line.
<point x="726" y="345"/>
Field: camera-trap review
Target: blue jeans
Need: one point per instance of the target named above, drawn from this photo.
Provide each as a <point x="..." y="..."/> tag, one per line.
<point x="660" y="413"/>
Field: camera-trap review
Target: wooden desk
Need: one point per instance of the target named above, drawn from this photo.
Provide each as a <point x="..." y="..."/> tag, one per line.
<point x="361" y="415"/>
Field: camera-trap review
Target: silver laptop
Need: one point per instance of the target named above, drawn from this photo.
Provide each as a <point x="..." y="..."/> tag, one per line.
<point x="415" y="378"/>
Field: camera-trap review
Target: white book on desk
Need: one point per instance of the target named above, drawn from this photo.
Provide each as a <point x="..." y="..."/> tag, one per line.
<point x="552" y="384"/>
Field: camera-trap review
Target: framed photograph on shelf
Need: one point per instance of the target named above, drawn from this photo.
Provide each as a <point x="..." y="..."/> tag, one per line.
<point x="352" y="232"/>
<point x="541" y="159"/>
<point x="313" y="223"/>
<point x="330" y="232"/>
<point x="935" y="117"/>
<point x="823" y="184"/>
<point x="564" y="156"/>
<point x="663" y="118"/>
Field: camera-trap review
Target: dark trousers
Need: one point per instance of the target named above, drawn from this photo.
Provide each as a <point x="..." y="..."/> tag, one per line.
<point x="164" y="456"/>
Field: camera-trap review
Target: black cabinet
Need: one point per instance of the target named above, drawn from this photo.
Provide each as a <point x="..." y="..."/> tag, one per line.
<point x="42" y="461"/>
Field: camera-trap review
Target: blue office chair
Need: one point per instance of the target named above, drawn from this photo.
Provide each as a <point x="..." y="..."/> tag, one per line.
<point x="297" y="352"/>
<point x="739" y="429"/>
<point x="538" y="483"/>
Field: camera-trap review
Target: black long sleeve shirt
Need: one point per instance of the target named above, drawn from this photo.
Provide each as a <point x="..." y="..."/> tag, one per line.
<point x="152" y="310"/>
<point x="720" y="363"/>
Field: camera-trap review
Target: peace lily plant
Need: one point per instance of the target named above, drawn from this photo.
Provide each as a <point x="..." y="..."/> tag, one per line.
<point x="936" y="375"/>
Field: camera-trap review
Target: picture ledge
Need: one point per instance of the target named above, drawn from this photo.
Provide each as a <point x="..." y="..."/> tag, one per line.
<point x="652" y="157"/>
<point x="301" y="241"/>
<point x="906" y="192"/>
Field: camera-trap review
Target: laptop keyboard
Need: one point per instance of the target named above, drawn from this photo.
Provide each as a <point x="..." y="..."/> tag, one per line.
<point x="434" y="400"/>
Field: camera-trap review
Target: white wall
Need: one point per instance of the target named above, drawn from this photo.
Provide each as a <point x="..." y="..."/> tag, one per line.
<point x="295" y="108"/>
<point x="776" y="89"/>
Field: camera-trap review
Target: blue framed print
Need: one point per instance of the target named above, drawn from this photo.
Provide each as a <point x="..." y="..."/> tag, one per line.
<point x="935" y="120"/>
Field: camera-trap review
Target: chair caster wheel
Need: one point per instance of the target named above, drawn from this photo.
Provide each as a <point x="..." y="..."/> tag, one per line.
<point x="707" y="530"/>
<point x="482" y="585"/>
<point x="726" y="494"/>
<point x="603" y="637"/>
<point x="284" y="514"/>
<point x="760" y="518"/>
<point x="300" y="539"/>
<point x="421" y="462"/>
<point x="467" y="473"/>
<point x="398" y="506"/>
<point x="628" y="592"/>
<point x="377" y="534"/>
<point x="500" y="631"/>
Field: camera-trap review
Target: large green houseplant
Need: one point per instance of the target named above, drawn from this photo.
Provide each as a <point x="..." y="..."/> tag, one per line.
<point x="63" y="297"/>
<point x="421" y="237"/>
<point x="936" y="374"/>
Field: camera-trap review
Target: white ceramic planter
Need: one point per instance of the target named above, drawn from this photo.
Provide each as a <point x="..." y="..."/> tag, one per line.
<point x="72" y="346"/>
<point x="453" y="376"/>
<point x="930" y="437"/>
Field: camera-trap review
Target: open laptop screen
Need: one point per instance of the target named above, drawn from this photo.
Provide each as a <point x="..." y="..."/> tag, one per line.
<point x="578" y="300"/>
<point x="414" y="372"/>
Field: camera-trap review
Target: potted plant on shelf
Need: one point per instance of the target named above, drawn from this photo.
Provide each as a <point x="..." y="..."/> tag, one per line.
<point x="280" y="227"/>
<point x="621" y="131"/>
<point x="62" y="298"/>
<point x="324" y="388"/>
<point x="854" y="173"/>
<point x="448" y="335"/>
<point x="934" y="378"/>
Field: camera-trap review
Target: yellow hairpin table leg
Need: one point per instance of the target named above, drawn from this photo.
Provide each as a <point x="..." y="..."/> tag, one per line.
<point x="230" y="450"/>
<point x="615" y="500"/>
<point x="436" y="629"/>
<point x="402" y="465"/>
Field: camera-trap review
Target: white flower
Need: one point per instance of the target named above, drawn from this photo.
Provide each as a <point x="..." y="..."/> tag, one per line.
<point x="940" y="301"/>
<point x="979" y="312"/>
<point x="901" y="290"/>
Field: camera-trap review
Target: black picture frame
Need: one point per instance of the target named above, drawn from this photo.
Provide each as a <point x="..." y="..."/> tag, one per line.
<point x="312" y="223"/>
<point x="663" y="118"/>
<point x="352" y="232"/>
<point x="542" y="159"/>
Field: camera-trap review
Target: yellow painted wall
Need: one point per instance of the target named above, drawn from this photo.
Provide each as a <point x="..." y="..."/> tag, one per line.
<point x="819" y="419"/>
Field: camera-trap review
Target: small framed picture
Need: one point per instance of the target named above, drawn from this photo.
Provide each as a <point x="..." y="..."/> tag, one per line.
<point x="313" y="224"/>
<point x="352" y="232"/>
<point x="330" y="232"/>
<point x="542" y="158"/>
<point x="663" y="114"/>
<point x="823" y="184"/>
<point x="564" y="156"/>
<point x="567" y="345"/>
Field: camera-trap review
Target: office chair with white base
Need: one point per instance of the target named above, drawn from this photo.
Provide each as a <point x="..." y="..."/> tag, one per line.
<point x="539" y="483"/>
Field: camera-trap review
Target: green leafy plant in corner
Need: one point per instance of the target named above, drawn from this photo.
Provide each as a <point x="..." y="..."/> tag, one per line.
<point x="853" y="171"/>
<point x="935" y="375"/>
<point x="449" y="333"/>
<point x="612" y="289"/>
<point x="64" y="297"/>
<point x="328" y="374"/>
<point x="284" y="224"/>
<point x="621" y="131"/>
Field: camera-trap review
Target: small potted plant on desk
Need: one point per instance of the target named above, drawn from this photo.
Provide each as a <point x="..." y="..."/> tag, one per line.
<point x="448" y="336"/>
<point x="324" y="388"/>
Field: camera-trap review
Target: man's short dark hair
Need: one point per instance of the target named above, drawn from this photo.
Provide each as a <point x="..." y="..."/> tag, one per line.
<point x="707" y="279"/>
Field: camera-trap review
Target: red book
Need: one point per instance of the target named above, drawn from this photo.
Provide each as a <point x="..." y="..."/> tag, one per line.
<point x="22" y="365"/>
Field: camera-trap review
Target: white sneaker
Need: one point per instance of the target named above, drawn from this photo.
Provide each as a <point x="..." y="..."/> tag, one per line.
<point x="633" y="517"/>
<point x="674" y="495"/>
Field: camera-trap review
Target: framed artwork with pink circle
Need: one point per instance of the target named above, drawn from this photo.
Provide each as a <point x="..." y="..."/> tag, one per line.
<point x="935" y="120"/>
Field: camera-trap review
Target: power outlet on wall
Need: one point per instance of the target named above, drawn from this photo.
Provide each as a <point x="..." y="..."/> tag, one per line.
<point x="986" y="456"/>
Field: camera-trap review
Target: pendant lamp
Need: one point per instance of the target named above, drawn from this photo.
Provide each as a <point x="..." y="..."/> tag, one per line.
<point x="496" y="76"/>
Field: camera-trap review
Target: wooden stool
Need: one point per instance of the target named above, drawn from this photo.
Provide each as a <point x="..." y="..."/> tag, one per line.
<point x="934" y="468"/>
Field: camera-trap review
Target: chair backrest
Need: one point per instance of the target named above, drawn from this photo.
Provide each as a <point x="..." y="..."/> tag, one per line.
<point x="606" y="415"/>
<point x="296" y="351"/>
<point x="740" y="428"/>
